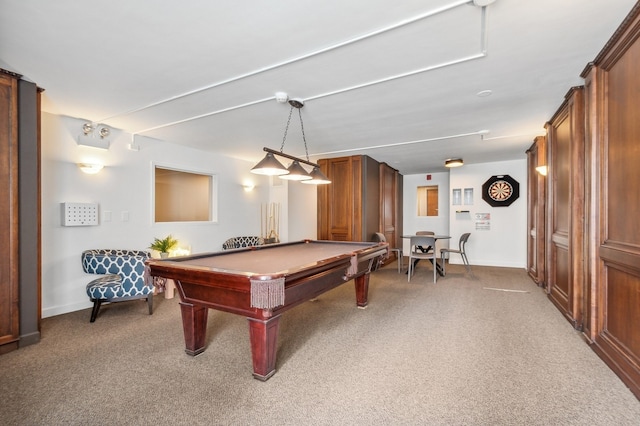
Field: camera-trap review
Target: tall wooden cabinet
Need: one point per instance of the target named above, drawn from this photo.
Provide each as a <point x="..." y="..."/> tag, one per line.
<point x="365" y="197"/>
<point x="19" y="212"/>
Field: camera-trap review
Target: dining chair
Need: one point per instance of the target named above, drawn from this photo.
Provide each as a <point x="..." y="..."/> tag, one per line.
<point x="398" y="251"/>
<point x="416" y="252"/>
<point x="426" y="233"/>
<point x="461" y="251"/>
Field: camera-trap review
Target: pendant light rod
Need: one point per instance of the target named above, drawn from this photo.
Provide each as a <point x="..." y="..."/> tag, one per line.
<point x="290" y="157"/>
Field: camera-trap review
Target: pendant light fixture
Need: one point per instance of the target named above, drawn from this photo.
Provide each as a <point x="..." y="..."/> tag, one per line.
<point x="272" y="167"/>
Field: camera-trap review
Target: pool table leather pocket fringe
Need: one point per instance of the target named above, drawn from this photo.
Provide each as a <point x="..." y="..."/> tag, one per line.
<point x="267" y="294"/>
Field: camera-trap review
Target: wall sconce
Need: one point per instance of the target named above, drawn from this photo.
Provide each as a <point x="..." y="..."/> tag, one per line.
<point x="90" y="168"/>
<point x="94" y="135"/>
<point x="248" y="186"/>
<point x="542" y="170"/>
<point x="453" y="162"/>
<point x="272" y="167"/>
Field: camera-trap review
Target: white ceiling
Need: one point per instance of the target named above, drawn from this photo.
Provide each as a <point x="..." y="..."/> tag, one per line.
<point x="396" y="80"/>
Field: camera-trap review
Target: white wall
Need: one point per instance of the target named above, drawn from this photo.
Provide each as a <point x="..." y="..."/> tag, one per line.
<point x="413" y="223"/>
<point x="303" y="212"/>
<point x="124" y="187"/>
<point x="505" y="243"/>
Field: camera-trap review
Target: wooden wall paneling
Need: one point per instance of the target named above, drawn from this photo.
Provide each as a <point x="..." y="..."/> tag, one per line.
<point x="355" y="214"/>
<point x="557" y="208"/>
<point x="594" y="103"/>
<point x="577" y="197"/>
<point x="370" y="198"/>
<point x="565" y="210"/>
<point x="9" y="261"/>
<point x="615" y="201"/>
<point x="388" y="202"/>
<point x="323" y="202"/>
<point x="536" y="156"/>
<point x="399" y="210"/>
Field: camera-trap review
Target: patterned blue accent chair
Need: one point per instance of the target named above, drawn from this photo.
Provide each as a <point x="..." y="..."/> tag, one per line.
<point x="123" y="277"/>
<point x="238" y="242"/>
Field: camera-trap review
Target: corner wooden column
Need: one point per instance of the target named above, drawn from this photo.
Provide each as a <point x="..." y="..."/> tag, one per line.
<point x="20" y="263"/>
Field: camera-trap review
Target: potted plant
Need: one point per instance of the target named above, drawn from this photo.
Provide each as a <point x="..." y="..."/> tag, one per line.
<point x="164" y="245"/>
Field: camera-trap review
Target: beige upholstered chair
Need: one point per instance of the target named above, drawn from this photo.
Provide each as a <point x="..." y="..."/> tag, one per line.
<point x="416" y="252"/>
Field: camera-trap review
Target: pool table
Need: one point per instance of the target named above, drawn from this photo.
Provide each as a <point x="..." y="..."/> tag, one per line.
<point x="261" y="283"/>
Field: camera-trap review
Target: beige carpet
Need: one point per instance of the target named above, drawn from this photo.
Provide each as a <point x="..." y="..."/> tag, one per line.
<point x="451" y="353"/>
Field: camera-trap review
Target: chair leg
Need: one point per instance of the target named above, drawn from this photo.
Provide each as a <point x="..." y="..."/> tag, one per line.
<point x="435" y="268"/>
<point x="96" y="308"/>
<point x="409" y="270"/>
<point x="466" y="262"/>
<point x="442" y="262"/>
<point x="150" y="303"/>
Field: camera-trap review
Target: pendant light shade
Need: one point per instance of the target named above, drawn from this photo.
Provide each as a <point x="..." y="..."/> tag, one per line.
<point x="317" y="177"/>
<point x="269" y="166"/>
<point x="296" y="172"/>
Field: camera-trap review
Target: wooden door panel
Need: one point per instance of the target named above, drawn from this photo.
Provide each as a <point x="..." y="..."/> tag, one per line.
<point x="561" y="176"/>
<point x="560" y="292"/>
<point x="623" y="299"/>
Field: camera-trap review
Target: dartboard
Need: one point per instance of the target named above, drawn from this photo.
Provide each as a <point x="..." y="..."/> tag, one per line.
<point x="500" y="190"/>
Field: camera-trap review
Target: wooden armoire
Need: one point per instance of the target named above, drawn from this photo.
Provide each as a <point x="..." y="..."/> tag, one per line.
<point x="364" y="197"/>
<point x="19" y="212"/>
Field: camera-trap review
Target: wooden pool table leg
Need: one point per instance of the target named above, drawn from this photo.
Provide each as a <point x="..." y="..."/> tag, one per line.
<point x="264" y="338"/>
<point x="194" y="325"/>
<point x="362" y="290"/>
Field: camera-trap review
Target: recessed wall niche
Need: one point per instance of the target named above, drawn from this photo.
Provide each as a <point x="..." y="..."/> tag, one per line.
<point x="183" y="196"/>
